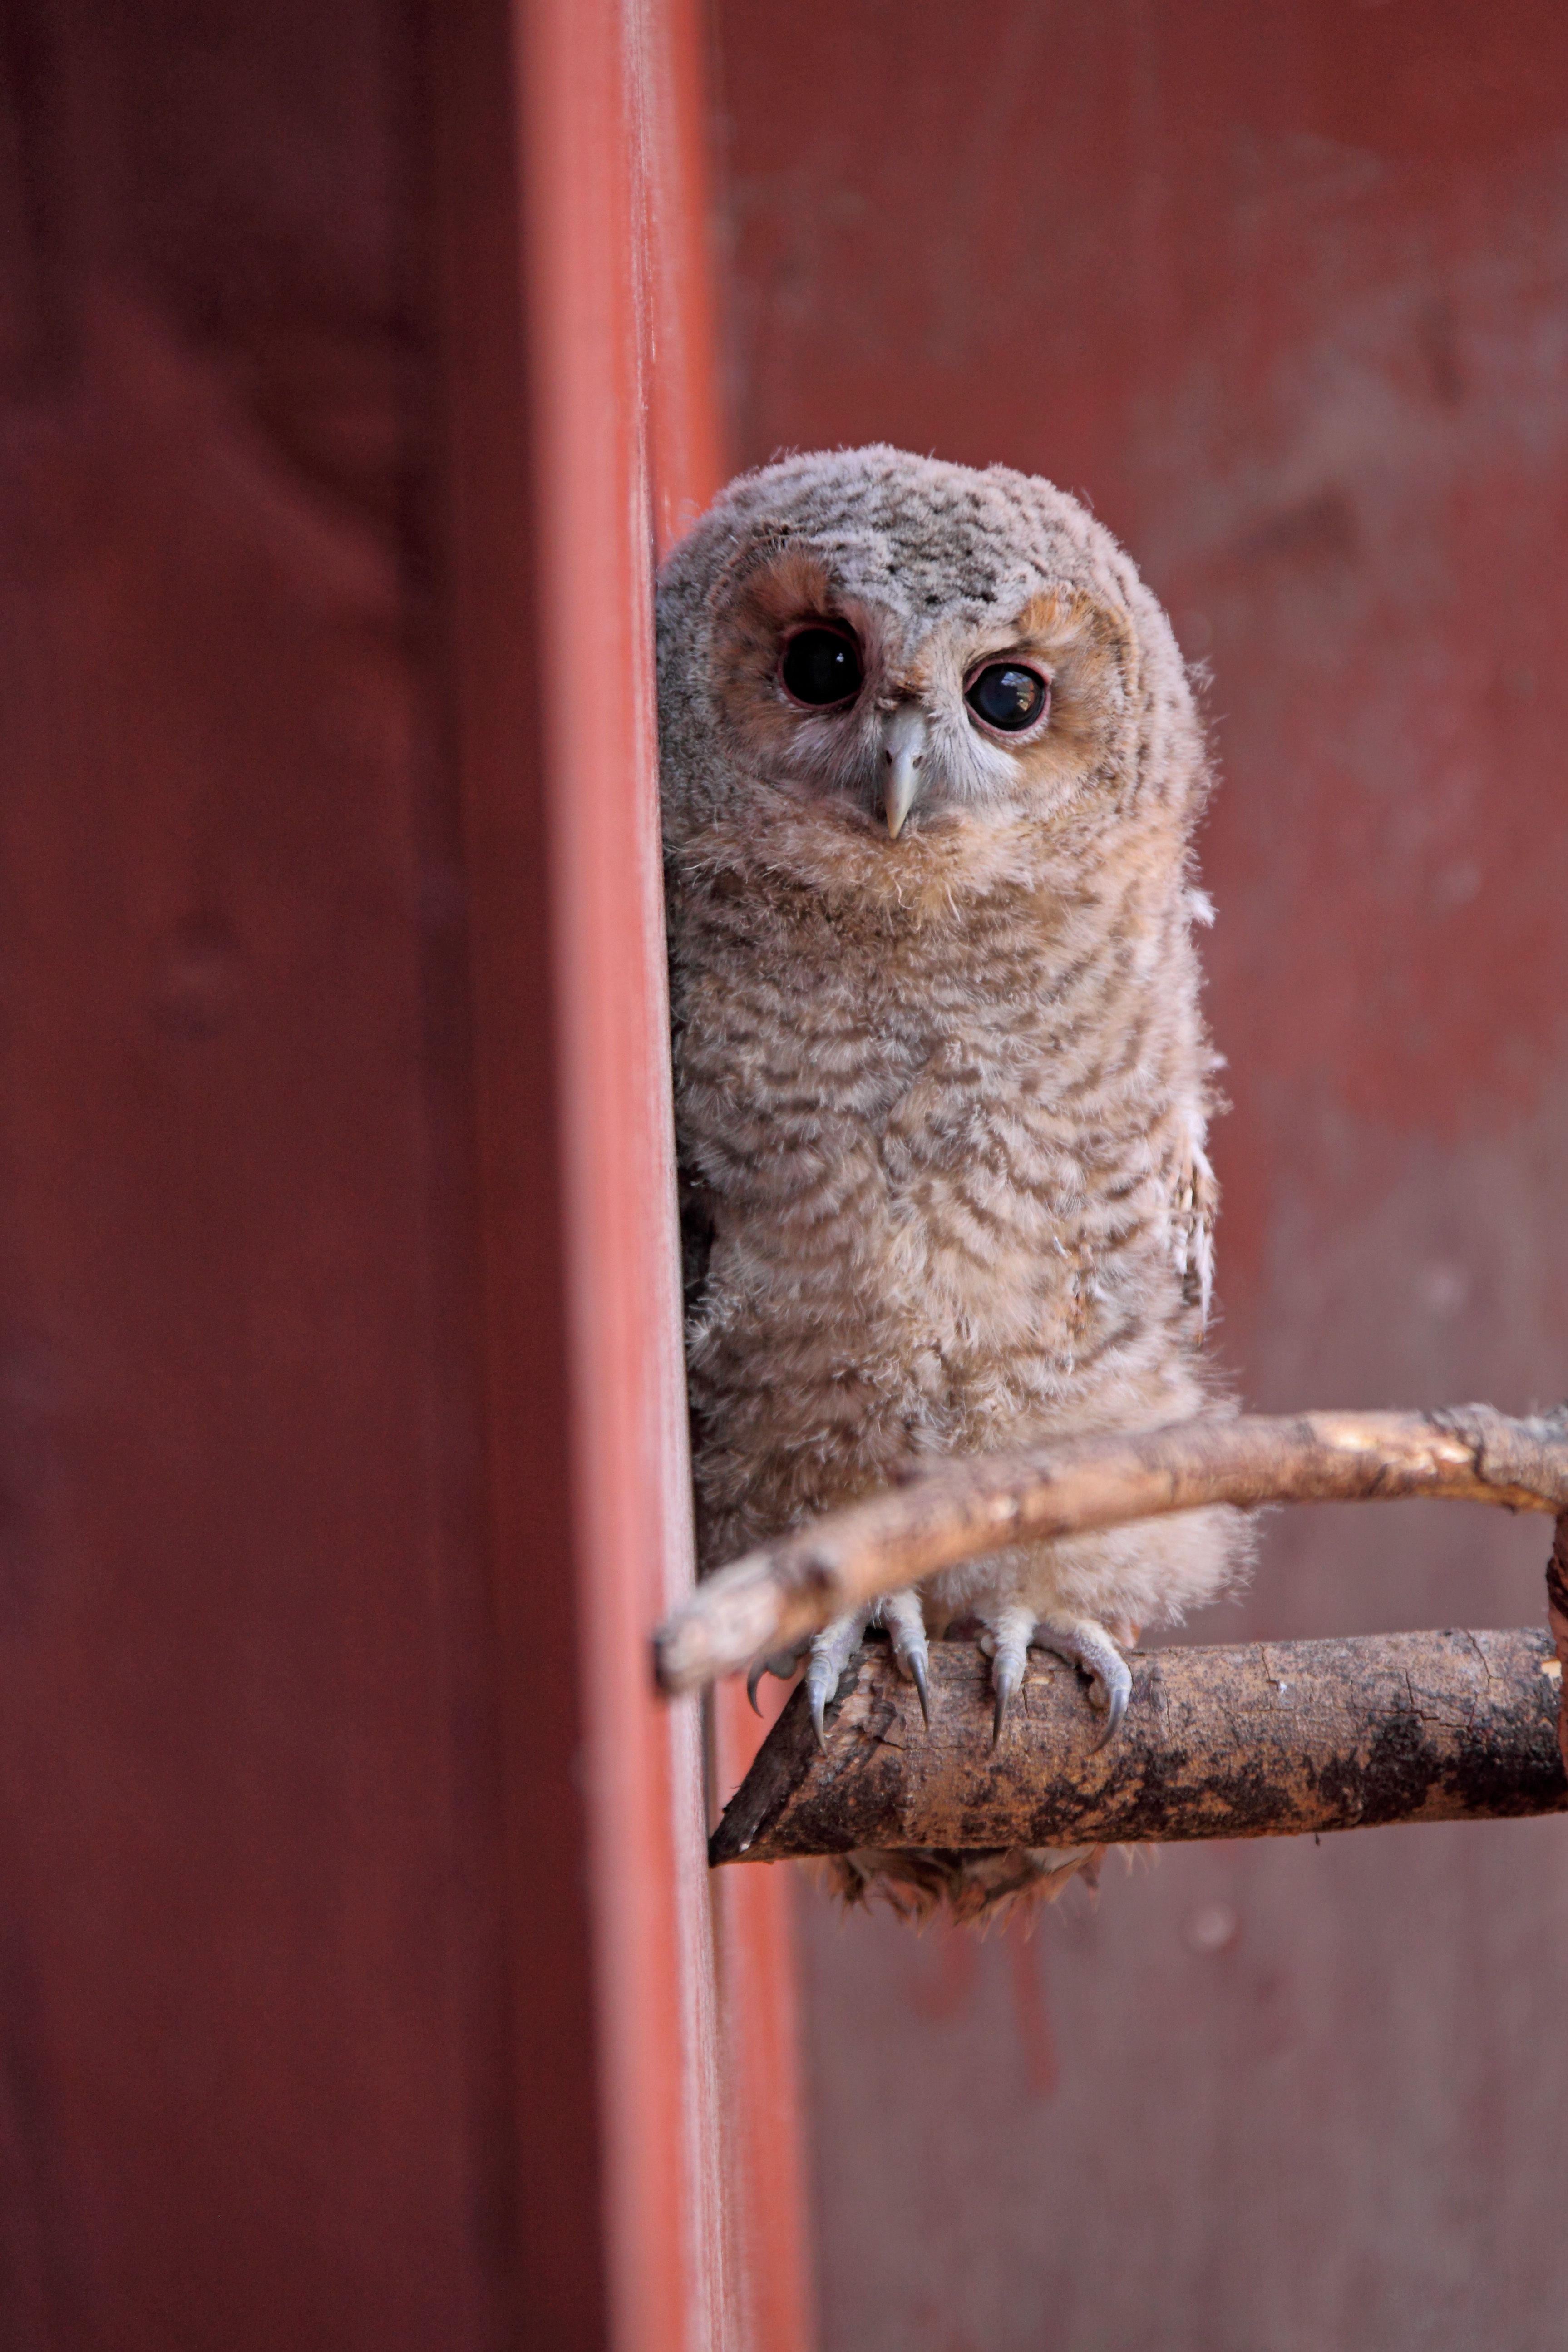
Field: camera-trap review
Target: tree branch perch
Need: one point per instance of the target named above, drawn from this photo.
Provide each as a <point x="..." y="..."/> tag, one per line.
<point x="1265" y="1740"/>
<point x="956" y="1509"/>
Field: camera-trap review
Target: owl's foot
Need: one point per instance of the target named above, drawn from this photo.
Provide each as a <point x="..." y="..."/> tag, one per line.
<point x="831" y="1654"/>
<point x="1089" y="1647"/>
<point x="905" y="1621"/>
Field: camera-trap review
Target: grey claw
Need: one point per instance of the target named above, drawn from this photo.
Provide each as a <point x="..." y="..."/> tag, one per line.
<point x="1009" y="1643"/>
<point x="1113" y="1694"/>
<point x="822" y="1681"/>
<point x="905" y="1620"/>
<point x="782" y="1663"/>
<point x="1089" y="1648"/>
<point x="1005" y="1679"/>
<point x="830" y="1657"/>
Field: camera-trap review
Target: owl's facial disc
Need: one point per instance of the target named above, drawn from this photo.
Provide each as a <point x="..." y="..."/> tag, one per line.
<point x="922" y="725"/>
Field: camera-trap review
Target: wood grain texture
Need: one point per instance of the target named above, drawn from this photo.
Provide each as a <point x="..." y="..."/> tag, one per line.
<point x="1264" y="1739"/>
<point x="962" y="1508"/>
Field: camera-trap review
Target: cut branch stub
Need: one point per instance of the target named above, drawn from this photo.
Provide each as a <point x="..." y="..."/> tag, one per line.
<point x="1264" y="1740"/>
<point x="957" y="1509"/>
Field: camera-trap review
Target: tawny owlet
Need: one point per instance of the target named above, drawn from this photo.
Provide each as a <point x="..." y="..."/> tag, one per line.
<point x="930" y="771"/>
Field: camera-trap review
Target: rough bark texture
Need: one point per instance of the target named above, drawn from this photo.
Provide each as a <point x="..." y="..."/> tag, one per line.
<point x="1268" y="1739"/>
<point x="962" y="1508"/>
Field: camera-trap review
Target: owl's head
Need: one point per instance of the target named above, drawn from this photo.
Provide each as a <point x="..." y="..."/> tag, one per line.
<point x="889" y="669"/>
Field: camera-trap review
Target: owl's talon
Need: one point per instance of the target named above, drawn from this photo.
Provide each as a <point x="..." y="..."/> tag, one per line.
<point x="1089" y="1648"/>
<point x="1005" y="1681"/>
<point x="905" y="1621"/>
<point x="830" y="1657"/>
<point x="782" y="1663"/>
<point x="1114" y="1699"/>
<point x="820" y="1682"/>
<point x="1009" y="1662"/>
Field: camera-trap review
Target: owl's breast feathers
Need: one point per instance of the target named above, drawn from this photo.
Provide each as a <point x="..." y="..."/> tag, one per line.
<point x="948" y="1172"/>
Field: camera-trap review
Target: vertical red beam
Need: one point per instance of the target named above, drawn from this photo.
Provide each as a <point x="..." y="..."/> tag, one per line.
<point x="771" y="2302"/>
<point x="616" y="2188"/>
<point x="581" y="212"/>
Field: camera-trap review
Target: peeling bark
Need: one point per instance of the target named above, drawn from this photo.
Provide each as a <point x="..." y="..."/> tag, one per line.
<point x="1270" y="1739"/>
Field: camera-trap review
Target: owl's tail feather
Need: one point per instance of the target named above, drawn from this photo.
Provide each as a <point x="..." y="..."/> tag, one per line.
<point x="982" y="1888"/>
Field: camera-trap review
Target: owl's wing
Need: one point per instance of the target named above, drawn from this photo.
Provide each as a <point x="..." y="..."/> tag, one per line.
<point x="1193" y="1206"/>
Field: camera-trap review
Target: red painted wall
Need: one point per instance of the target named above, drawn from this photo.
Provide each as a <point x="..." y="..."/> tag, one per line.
<point x="251" y="2017"/>
<point x="1284" y="292"/>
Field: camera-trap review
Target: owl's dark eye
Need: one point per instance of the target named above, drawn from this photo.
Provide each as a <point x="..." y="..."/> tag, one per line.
<point x="1007" y="696"/>
<point x="820" y="667"/>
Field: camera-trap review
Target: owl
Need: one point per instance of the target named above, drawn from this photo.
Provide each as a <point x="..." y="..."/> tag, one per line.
<point x="930" y="768"/>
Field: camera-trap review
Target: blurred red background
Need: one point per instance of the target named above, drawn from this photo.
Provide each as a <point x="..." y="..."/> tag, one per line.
<point x="1283" y="292"/>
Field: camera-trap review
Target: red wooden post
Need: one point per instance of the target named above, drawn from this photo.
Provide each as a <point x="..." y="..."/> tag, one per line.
<point x="767" y="2227"/>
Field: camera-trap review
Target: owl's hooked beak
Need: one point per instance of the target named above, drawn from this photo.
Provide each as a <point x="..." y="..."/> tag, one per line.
<point x="904" y="756"/>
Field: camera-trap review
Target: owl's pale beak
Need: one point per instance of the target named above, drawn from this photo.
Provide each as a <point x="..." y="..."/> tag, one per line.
<point x="903" y="758"/>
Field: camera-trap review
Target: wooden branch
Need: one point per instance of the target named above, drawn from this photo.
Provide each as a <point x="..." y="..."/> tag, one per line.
<point x="956" y="1509"/>
<point x="1266" y="1740"/>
